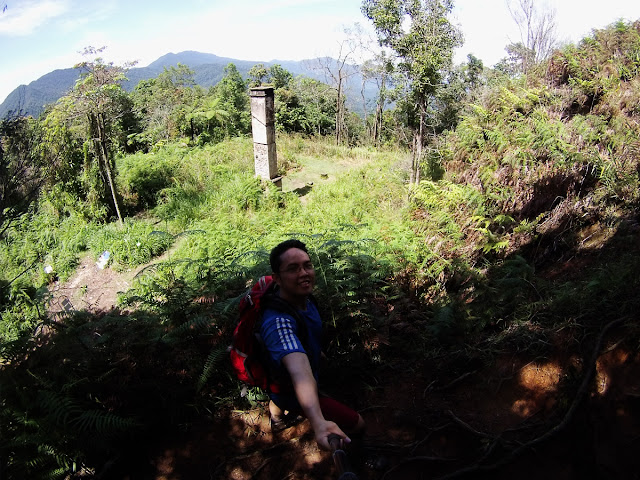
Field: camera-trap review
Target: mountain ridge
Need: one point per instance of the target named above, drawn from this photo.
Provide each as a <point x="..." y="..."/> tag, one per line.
<point x="31" y="99"/>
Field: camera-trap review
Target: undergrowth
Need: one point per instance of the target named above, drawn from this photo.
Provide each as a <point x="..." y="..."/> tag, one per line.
<point x="527" y="227"/>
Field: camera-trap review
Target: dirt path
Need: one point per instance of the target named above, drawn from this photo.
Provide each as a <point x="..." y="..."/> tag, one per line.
<point x="91" y="288"/>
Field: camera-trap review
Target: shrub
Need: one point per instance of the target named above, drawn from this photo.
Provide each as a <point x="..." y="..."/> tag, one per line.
<point x="142" y="176"/>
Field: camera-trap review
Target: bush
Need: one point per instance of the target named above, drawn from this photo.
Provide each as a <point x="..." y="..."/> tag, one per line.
<point x="142" y="176"/>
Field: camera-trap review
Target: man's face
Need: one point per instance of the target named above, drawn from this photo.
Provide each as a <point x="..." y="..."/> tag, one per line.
<point x="296" y="276"/>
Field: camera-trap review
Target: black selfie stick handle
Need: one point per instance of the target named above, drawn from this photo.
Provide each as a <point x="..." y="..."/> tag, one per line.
<point x="340" y="458"/>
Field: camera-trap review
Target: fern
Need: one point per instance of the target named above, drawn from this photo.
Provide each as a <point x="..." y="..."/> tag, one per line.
<point x="444" y="322"/>
<point x="190" y="328"/>
<point x="60" y="408"/>
<point x="16" y="350"/>
<point x="104" y="423"/>
<point x="216" y="357"/>
<point x="495" y="239"/>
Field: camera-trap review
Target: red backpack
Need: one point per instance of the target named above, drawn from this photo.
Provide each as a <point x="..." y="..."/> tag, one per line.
<point x="247" y="352"/>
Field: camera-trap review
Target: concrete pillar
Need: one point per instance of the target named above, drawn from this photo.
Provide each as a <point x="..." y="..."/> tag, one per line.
<point x="264" y="134"/>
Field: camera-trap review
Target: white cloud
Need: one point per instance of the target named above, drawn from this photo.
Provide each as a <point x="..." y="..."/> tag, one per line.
<point x="21" y="19"/>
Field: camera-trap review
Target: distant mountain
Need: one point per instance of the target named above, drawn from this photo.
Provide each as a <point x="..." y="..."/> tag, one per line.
<point x="208" y="70"/>
<point x="30" y="99"/>
<point x="192" y="59"/>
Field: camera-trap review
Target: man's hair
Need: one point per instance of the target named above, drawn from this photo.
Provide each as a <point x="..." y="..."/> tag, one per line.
<point x="278" y="250"/>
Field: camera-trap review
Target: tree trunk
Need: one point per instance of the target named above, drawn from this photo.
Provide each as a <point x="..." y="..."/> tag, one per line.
<point x="339" y="113"/>
<point x="377" y="129"/>
<point x="365" y="120"/>
<point x="104" y="158"/>
<point x="418" y="139"/>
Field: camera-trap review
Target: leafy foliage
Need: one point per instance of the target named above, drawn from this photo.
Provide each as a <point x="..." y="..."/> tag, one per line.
<point x="527" y="226"/>
<point x="422" y="38"/>
<point x="161" y="105"/>
<point x="307" y="106"/>
<point x="142" y="181"/>
<point x="86" y="409"/>
<point x="23" y="171"/>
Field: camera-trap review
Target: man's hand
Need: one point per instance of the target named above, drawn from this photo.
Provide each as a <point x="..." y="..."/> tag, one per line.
<point x="326" y="428"/>
<point x="306" y="390"/>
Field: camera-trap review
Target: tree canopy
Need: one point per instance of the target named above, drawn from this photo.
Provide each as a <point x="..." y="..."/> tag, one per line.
<point x="422" y="39"/>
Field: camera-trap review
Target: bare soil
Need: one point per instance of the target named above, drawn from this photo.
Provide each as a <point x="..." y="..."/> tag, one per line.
<point x="91" y="288"/>
<point x="501" y="421"/>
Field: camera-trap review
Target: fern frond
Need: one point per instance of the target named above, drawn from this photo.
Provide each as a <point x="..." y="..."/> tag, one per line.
<point x="215" y="358"/>
<point x="160" y="233"/>
<point x="15" y="350"/>
<point x="191" y="327"/>
<point x="230" y="305"/>
<point x="103" y="422"/>
<point x="260" y="254"/>
<point x="155" y="267"/>
<point x="60" y="408"/>
<point x="189" y="232"/>
<point x="313" y="236"/>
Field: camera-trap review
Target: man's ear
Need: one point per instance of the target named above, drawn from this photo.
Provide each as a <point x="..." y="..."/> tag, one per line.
<point x="276" y="278"/>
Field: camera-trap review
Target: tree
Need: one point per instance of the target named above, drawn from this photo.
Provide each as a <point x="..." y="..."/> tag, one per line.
<point x="473" y="71"/>
<point x="337" y="71"/>
<point x="234" y="100"/>
<point x="422" y="39"/>
<point x="205" y="118"/>
<point x="163" y="103"/>
<point x="378" y="69"/>
<point x="279" y="76"/>
<point x="302" y="104"/>
<point x="519" y="60"/>
<point x="306" y="106"/>
<point x="97" y="103"/>
<point x="538" y="36"/>
<point x="257" y="75"/>
<point x="22" y="170"/>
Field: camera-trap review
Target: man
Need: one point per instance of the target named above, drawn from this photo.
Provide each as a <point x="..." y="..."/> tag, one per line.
<point x="295" y="350"/>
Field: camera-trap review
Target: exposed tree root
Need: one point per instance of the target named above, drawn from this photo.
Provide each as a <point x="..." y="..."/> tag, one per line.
<point x="578" y="399"/>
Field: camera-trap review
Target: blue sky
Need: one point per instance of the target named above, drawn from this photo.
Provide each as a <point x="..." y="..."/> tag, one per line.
<point x="38" y="36"/>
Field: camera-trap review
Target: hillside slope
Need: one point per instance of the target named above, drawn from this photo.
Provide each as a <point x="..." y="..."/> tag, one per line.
<point x="530" y="358"/>
<point x="526" y="364"/>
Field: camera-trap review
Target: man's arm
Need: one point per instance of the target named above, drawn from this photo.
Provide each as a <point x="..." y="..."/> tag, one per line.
<point x="306" y="388"/>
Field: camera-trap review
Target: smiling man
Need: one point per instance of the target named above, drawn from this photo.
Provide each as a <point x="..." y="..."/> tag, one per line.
<point x="293" y="342"/>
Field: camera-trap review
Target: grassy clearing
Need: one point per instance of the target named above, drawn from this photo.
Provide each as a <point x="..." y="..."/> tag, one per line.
<point x="207" y="195"/>
<point x="235" y="213"/>
<point x="320" y="161"/>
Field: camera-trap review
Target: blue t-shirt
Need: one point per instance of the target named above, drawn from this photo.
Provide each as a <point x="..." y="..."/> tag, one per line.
<point x="282" y="335"/>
